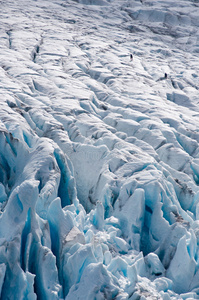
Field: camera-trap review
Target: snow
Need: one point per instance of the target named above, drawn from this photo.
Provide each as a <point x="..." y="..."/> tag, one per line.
<point x="99" y="154"/>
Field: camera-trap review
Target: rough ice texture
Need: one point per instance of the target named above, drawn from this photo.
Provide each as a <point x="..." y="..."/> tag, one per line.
<point x="99" y="154"/>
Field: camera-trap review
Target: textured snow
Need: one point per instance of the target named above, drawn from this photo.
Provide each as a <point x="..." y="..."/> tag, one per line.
<point x="99" y="154"/>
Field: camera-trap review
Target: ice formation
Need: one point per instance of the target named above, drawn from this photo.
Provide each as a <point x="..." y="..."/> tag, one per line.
<point x="99" y="154"/>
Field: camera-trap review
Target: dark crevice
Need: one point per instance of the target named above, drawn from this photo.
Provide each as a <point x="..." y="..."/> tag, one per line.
<point x="24" y="235"/>
<point x="65" y="180"/>
<point x="11" y="140"/>
<point x="5" y="170"/>
<point x="26" y="140"/>
<point x="9" y="37"/>
<point x="35" y="52"/>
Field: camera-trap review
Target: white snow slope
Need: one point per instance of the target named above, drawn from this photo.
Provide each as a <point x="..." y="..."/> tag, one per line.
<point x="99" y="155"/>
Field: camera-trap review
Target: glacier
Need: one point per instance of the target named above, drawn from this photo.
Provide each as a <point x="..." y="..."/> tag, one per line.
<point x="99" y="153"/>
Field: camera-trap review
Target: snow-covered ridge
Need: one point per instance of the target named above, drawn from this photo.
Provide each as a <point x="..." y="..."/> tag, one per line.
<point x="99" y="156"/>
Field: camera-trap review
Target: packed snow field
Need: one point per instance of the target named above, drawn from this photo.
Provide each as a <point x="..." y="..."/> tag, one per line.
<point x="99" y="154"/>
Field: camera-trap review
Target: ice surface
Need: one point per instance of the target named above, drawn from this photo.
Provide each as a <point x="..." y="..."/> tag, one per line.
<point x="99" y="155"/>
